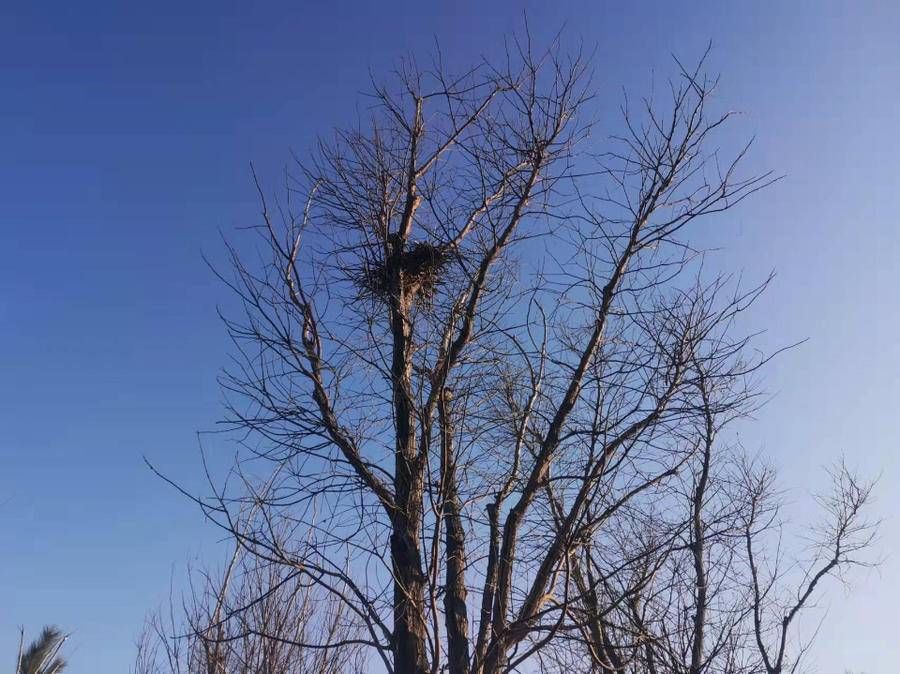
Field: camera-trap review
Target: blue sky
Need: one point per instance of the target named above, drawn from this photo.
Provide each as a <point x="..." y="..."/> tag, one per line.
<point x="126" y="132"/>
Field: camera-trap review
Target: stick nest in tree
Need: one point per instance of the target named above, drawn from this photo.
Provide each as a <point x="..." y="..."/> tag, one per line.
<point x="421" y="268"/>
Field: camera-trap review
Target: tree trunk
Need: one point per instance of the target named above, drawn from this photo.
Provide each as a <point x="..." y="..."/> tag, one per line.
<point x="455" y="613"/>
<point x="409" y="638"/>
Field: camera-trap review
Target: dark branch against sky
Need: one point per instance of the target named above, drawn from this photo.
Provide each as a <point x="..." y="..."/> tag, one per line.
<point x="126" y="134"/>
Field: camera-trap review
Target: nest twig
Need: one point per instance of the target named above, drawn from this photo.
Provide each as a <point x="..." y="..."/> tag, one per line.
<point x="421" y="267"/>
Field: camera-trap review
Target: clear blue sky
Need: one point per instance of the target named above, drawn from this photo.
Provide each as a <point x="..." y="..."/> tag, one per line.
<point x="126" y="130"/>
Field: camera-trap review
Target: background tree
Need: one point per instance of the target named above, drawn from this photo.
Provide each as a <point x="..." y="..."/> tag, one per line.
<point x="480" y="358"/>
<point x="249" y="619"/>
<point x="700" y="600"/>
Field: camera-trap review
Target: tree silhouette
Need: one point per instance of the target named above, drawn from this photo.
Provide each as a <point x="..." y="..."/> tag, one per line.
<point x="479" y="360"/>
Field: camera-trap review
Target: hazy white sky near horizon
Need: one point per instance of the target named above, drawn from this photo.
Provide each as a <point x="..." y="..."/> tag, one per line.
<point x="126" y="134"/>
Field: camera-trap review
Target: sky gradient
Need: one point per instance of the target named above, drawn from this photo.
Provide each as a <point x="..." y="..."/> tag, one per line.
<point x="126" y="133"/>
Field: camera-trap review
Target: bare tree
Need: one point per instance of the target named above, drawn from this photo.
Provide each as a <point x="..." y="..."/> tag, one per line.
<point x="477" y="352"/>
<point x="839" y="543"/>
<point x="703" y="599"/>
<point x="655" y="584"/>
<point x="252" y="618"/>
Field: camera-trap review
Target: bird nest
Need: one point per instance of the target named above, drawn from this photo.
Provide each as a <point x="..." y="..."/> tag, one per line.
<point x="421" y="268"/>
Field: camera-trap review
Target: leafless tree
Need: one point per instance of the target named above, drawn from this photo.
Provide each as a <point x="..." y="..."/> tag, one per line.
<point x="700" y="600"/>
<point x="477" y="343"/>
<point x="842" y="541"/>
<point x="252" y="618"/>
